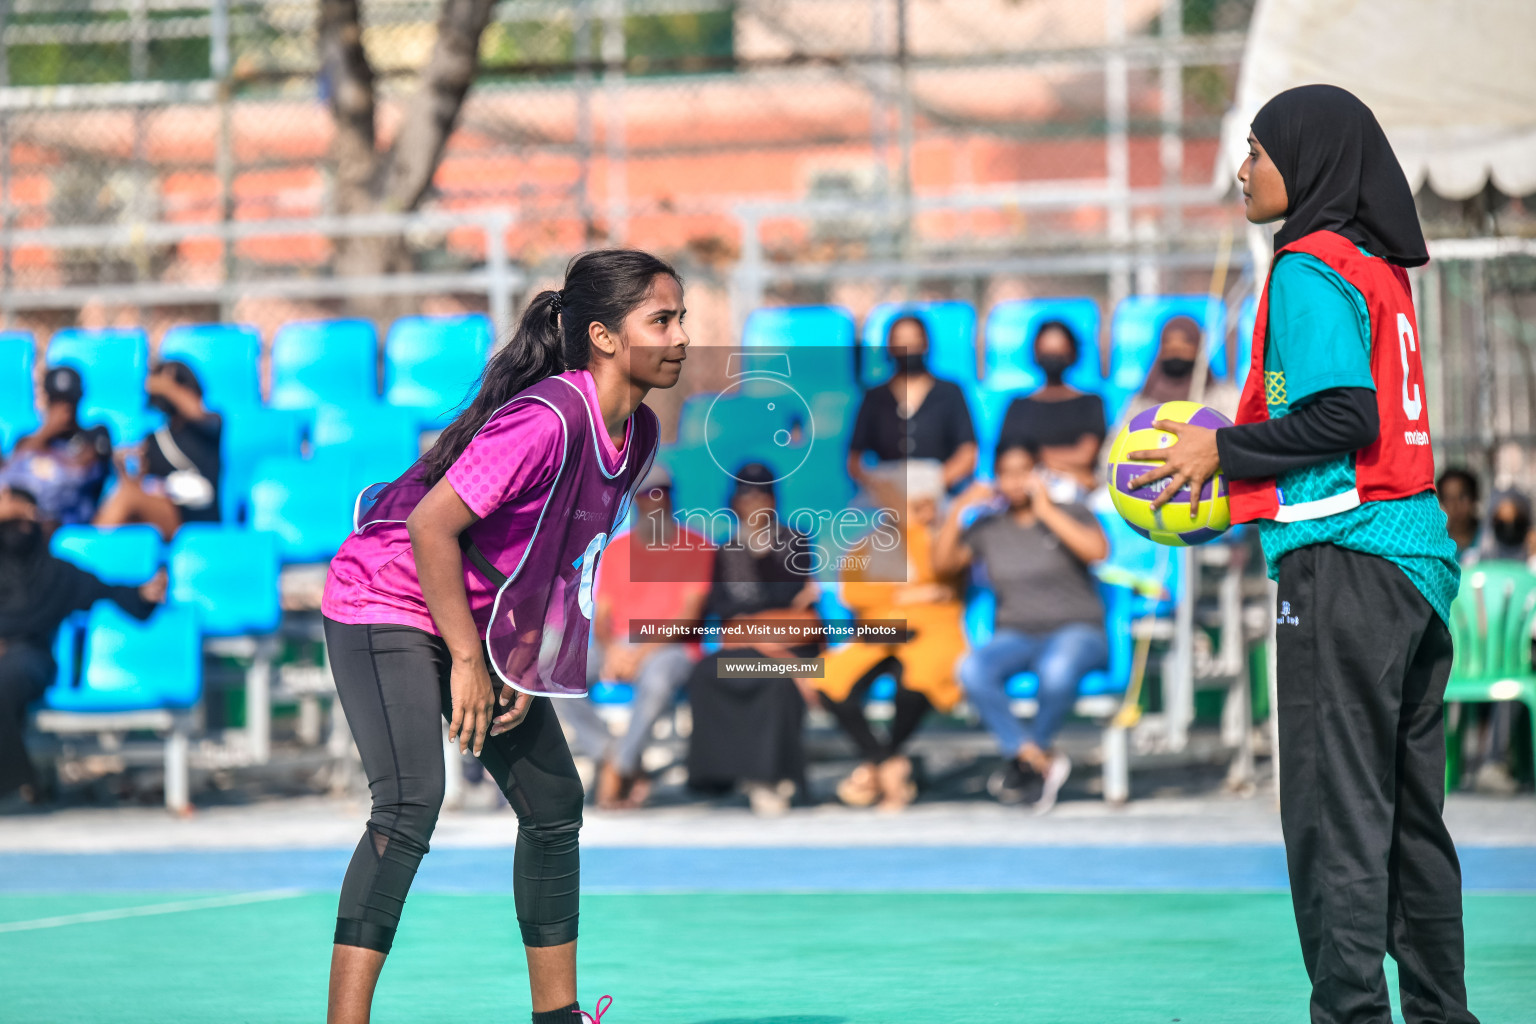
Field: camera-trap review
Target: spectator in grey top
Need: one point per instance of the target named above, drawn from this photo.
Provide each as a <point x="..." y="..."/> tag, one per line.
<point x="1034" y="554"/>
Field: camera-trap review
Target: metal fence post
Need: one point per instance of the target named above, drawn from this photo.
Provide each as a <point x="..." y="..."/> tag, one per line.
<point x="500" y="286"/>
<point x="219" y="70"/>
<point x="613" y="129"/>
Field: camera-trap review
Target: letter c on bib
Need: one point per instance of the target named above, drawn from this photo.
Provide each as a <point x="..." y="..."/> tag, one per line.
<point x="1413" y="405"/>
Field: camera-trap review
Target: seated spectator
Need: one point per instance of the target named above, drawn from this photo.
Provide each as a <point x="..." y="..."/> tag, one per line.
<point x="923" y="665"/>
<point x="176" y="480"/>
<point x="914" y="415"/>
<point x="63" y="465"/>
<point x="1493" y="725"/>
<point x="1172" y="377"/>
<point x="1035" y="556"/>
<point x="37" y="592"/>
<point x="748" y="732"/>
<point x="1458" y="492"/>
<point x="1064" y="425"/>
<point x="655" y="570"/>
<point x="1509" y="528"/>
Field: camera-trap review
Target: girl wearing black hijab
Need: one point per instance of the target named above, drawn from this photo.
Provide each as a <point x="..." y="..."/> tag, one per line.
<point x="1331" y="456"/>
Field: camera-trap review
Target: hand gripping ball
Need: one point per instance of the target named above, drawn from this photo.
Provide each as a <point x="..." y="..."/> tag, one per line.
<point x="1172" y="524"/>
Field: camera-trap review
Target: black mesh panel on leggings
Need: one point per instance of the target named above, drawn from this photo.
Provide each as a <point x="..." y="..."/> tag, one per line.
<point x="393" y="682"/>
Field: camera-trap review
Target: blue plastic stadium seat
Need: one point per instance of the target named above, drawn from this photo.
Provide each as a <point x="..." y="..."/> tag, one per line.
<point x="226" y="359"/>
<point x="130" y="665"/>
<point x="431" y="363"/>
<point x="377" y="443"/>
<point x="1151" y="571"/>
<point x="229" y="575"/>
<point x="306" y="503"/>
<point x="67" y="647"/>
<point x="951" y="340"/>
<point x="826" y="331"/>
<point x="1010" y="343"/>
<point x="700" y="488"/>
<point x="120" y="555"/>
<point x="18" y="396"/>
<point x="252" y="435"/>
<point x="1237" y="373"/>
<point x="988" y="407"/>
<point x="611" y="693"/>
<point x="981" y="604"/>
<point x="1136" y="331"/>
<point x="324" y="362"/>
<point x="113" y="364"/>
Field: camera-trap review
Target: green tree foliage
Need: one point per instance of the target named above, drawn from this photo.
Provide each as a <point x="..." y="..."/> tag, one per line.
<point x="87" y="63"/>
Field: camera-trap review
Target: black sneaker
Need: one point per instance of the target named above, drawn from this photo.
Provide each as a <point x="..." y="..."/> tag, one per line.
<point x="1016" y="783"/>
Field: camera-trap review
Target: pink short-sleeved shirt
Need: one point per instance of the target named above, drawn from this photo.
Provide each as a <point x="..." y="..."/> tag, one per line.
<point x="504" y="475"/>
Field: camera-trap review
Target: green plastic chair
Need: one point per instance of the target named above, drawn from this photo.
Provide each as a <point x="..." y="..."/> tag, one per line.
<point x="1491" y="621"/>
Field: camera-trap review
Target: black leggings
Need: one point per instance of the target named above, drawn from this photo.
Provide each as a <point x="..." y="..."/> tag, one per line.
<point x="393" y="682"/>
<point x="910" y="708"/>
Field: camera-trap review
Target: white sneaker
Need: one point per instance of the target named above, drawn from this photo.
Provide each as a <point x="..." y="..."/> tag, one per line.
<point x="1055" y="777"/>
<point x="769" y="801"/>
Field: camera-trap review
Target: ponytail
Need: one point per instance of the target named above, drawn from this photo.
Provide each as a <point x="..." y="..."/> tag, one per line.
<point x="552" y="337"/>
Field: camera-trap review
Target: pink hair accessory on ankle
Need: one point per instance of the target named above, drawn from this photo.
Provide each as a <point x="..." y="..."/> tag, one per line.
<point x="601" y="1008"/>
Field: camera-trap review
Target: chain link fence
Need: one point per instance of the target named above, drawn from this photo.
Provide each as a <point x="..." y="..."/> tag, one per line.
<point x="172" y="160"/>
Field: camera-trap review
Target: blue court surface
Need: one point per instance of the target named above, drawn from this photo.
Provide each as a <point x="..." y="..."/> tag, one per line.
<point x="786" y="935"/>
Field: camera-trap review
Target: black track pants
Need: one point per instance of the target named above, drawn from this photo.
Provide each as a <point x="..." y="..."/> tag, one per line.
<point x="1363" y="661"/>
<point x="393" y="682"/>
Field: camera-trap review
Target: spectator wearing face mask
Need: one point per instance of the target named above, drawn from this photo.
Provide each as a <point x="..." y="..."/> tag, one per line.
<point x="1064" y="425"/>
<point x="62" y="464"/>
<point x="1172" y="377"/>
<point x="1509" y="528"/>
<point x="37" y="592"/>
<point x="176" y="479"/>
<point x="914" y="415"/>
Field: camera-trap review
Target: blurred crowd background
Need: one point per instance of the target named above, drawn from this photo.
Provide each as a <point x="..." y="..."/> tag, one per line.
<point x="255" y="252"/>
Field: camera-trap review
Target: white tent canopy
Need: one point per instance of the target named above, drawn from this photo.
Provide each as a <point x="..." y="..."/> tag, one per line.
<point x="1453" y="82"/>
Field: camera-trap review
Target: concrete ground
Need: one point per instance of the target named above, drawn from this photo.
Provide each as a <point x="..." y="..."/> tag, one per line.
<point x="320" y="822"/>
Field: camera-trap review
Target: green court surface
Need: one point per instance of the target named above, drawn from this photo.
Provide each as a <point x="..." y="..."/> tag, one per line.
<point x="716" y="958"/>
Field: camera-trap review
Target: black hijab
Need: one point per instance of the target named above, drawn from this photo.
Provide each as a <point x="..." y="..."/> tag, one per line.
<point x="1340" y="173"/>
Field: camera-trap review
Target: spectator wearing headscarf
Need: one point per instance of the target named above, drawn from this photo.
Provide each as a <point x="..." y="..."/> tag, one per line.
<point x="1172" y="376"/>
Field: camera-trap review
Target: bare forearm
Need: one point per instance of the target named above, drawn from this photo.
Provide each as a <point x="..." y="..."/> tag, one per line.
<point x="960" y="465"/>
<point x="949" y="554"/>
<point x="440" y="568"/>
<point x="1086" y="542"/>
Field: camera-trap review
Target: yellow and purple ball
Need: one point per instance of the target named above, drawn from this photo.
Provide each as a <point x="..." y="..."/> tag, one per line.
<point x="1172" y="524"/>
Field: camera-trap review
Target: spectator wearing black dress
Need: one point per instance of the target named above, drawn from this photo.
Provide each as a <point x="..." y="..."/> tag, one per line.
<point x="61" y="464"/>
<point x="1064" y="425"/>
<point x="177" y="478"/>
<point x="37" y="592"/>
<point x="748" y="732"/>
<point x="914" y="415"/>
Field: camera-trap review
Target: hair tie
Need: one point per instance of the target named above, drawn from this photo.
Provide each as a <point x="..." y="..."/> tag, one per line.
<point x="555" y="304"/>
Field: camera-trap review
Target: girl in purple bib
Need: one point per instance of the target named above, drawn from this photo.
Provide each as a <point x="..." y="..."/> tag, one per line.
<point x="465" y="591"/>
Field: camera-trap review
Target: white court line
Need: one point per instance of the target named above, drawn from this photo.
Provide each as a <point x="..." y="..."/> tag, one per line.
<point x="207" y="903"/>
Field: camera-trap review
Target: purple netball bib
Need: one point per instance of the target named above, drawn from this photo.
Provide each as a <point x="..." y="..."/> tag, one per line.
<point x="539" y="627"/>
